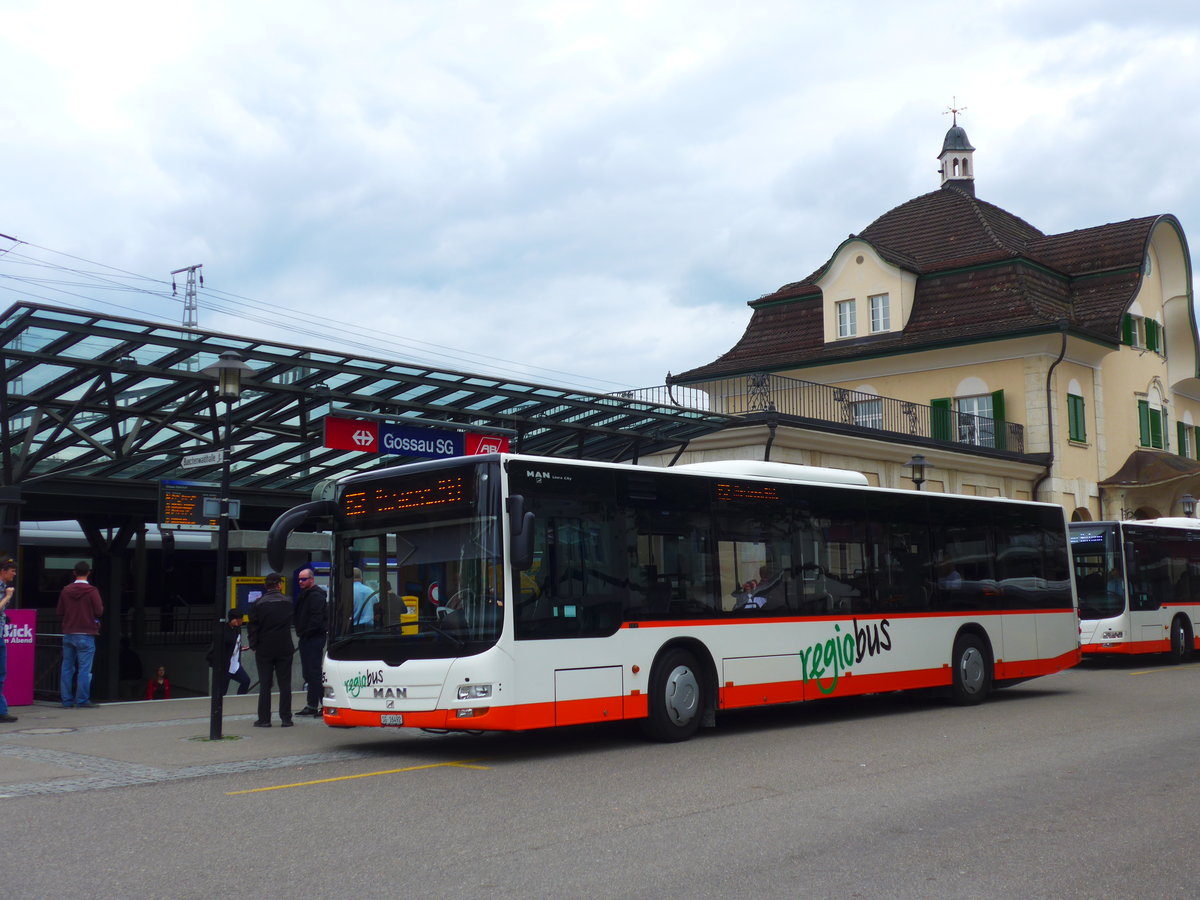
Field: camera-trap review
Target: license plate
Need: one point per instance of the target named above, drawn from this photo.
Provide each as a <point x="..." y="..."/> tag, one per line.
<point x="391" y="720"/>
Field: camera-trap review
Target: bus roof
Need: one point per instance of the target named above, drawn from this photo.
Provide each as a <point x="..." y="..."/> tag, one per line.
<point x="731" y="468"/>
<point x="741" y="468"/>
<point x="1161" y="522"/>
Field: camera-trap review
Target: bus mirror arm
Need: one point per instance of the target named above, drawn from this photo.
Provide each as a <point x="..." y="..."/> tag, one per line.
<point x="288" y="522"/>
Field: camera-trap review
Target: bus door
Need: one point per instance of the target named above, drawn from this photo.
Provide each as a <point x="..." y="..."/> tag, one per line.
<point x="1148" y="560"/>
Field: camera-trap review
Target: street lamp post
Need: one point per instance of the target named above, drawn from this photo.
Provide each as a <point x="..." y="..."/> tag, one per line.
<point x="229" y="370"/>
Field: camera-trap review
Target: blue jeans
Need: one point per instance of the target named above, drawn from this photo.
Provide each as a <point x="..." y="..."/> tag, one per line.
<point x="76" y="683"/>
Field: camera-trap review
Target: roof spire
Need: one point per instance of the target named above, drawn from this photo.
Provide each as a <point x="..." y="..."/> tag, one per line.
<point x="958" y="166"/>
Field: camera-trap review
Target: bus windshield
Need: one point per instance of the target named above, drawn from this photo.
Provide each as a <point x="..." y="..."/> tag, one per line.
<point x="428" y="583"/>
<point x="1099" y="574"/>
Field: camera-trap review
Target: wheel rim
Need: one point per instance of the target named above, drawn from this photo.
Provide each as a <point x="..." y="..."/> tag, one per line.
<point x="1179" y="639"/>
<point x="971" y="670"/>
<point x="682" y="695"/>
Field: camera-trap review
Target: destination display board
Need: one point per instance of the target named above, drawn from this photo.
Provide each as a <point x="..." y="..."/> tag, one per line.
<point x="181" y="505"/>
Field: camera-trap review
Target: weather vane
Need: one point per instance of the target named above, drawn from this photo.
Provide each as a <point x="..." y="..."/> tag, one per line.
<point x="954" y="109"/>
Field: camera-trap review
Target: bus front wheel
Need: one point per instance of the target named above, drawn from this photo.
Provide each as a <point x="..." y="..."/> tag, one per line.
<point x="1181" y="640"/>
<point x="676" y="698"/>
<point x="972" y="670"/>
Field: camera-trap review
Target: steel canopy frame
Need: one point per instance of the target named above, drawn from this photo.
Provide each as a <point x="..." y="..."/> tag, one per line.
<point x="121" y="401"/>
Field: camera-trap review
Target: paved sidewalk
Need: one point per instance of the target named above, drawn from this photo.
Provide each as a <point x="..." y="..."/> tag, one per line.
<point x="52" y="750"/>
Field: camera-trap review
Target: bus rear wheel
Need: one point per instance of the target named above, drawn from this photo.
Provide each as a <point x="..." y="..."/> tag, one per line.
<point x="1181" y="640"/>
<point x="972" y="676"/>
<point x="676" y="698"/>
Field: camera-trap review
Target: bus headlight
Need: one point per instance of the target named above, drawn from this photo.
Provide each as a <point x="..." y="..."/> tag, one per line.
<point x="474" y="691"/>
<point x="328" y="692"/>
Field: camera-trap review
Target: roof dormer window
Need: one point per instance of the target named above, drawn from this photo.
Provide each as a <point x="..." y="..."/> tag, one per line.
<point x="881" y="317"/>
<point x="847" y="319"/>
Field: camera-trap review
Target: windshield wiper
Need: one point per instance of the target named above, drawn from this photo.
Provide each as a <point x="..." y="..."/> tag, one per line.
<point x="355" y="635"/>
<point x="433" y="626"/>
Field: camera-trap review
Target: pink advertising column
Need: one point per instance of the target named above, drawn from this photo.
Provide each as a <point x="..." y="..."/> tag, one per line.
<point x="19" y="636"/>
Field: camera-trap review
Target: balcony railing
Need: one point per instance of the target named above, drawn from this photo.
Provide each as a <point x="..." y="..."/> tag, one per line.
<point x="762" y="393"/>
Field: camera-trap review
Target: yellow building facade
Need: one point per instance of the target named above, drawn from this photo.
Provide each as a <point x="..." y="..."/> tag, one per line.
<point x="1060" y="368"/>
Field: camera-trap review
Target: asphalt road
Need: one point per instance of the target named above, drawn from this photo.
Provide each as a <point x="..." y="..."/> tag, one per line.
<point x="1077" y="785"/>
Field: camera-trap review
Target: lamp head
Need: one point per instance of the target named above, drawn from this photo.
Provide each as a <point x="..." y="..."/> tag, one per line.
<point x="229" y="370"/>
<point x="917" y="466"/>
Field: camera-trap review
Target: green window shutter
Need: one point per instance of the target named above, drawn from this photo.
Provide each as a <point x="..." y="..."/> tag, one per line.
<point x="1076" y="422"/>
<point x="998" y="415"/>
<point x="1182" y="434"/>
<point x="1151" y="335"/>
<point x="1144" y="423"/>
<point x="1127" y="329"/>
<point x="1156" y="428"/>
<point x="939" y="418"/>
<point x="1196" y="441"/>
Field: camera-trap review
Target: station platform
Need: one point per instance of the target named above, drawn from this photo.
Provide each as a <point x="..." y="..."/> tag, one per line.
<point x="51" y="750"/>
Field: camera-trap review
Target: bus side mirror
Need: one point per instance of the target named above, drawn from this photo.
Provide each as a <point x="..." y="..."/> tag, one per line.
<point x="520" y="526"/>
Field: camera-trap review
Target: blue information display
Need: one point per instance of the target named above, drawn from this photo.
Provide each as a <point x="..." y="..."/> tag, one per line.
<point x="431" y="442"/>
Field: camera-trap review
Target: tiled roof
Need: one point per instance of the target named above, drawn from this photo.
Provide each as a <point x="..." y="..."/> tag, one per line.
<point x="981" y="271"/>
<point x="1095" y="249"/>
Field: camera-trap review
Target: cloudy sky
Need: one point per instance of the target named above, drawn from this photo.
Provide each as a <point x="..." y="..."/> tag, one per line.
<point x="577" y="193"/>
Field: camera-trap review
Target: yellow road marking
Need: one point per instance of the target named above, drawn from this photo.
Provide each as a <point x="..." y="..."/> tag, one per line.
<point x="1167" y="669"/>
<point x="463" y="764"/>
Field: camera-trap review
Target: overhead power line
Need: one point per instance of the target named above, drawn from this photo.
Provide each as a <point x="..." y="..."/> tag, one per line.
<point x="27" y="275"/>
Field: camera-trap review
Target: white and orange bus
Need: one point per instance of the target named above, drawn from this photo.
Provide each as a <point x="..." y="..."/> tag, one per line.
<point x="552" y="592"/>
<point x="1139" y="586"/>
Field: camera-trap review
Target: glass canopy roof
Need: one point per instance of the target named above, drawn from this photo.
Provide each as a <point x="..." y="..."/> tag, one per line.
<point x="119" y="402"/>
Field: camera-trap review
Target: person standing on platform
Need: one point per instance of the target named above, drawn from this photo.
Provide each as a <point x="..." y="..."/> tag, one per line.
<point x="311" y="627"/>
<point x="233" y="650"/>
<point x="80" y="607"/>
<point x="8" y="588"/>
<point x="271" y="641"/>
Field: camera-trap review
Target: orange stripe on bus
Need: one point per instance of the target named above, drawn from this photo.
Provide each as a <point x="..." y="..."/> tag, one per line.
<point x="862" y="617"/>
<point x="1130" y="647"/>
<point x="636" y="705"/>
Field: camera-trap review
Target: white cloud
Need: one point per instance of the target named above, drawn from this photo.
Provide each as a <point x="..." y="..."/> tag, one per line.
<point x="593" y="189"/>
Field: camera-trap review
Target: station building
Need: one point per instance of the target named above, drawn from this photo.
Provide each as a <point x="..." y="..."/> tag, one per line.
<point x="1013" y="363"/>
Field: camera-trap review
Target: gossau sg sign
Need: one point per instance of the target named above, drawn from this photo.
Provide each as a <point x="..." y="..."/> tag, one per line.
<point x="402" y="440"/>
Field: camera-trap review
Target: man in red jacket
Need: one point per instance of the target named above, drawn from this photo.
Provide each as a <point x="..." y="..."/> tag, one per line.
<point x="80" y="607"/>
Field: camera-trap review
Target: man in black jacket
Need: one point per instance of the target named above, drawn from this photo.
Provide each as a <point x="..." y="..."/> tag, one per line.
<point x="311" y="618"/>
<point x="271" y="641"/>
